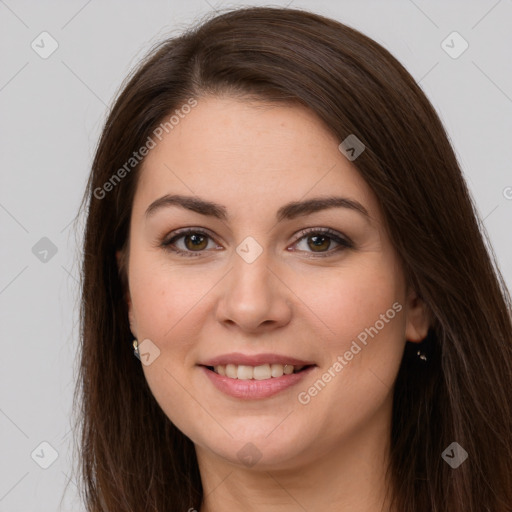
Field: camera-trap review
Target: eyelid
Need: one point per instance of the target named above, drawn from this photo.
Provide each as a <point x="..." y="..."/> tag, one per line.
<point x="343" y="241"/>
<point x="179" y="233"/>
<point x="185" y="231"/>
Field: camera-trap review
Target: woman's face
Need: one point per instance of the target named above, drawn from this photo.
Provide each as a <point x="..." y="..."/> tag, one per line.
<point x="249" y="282"/>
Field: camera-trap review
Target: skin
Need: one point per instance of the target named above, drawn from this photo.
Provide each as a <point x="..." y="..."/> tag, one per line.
<point x="331" y="453"/>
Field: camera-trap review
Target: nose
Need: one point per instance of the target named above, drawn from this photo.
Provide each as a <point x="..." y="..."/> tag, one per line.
<point x="254" y="296"/>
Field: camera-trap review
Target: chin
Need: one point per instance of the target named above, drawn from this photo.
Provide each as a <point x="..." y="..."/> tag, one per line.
<point x="259" y="447"/>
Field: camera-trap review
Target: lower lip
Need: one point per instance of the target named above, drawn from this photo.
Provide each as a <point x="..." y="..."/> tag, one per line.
<point x="254" y="389"/>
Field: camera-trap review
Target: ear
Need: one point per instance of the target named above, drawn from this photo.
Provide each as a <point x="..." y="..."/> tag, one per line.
<point x="417" y="318"/>
<point x="121" y="266"/>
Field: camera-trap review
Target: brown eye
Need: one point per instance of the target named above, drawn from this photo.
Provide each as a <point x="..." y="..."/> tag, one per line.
<point x="193" y="242"/>
<point x="319" y="240"/>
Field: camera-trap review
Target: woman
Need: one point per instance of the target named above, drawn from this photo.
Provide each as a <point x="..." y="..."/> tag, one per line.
<point x="277" y="221"/>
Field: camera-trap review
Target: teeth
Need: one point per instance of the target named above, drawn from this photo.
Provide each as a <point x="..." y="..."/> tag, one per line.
<point x="262" y="372"/>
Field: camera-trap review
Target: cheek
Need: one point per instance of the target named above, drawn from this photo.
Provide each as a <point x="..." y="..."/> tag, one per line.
<point x="167" y="304"/>
<point x="164" y="297"/>
<point x="364" y="309"/>
<point x="352" y="301"/>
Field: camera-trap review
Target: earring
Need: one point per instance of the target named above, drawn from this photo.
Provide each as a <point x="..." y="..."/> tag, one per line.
<point x="421" y="355"/>
<point x="136" y="349"/>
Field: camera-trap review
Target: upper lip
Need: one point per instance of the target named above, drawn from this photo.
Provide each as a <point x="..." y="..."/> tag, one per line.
<point x="254" y="360"/>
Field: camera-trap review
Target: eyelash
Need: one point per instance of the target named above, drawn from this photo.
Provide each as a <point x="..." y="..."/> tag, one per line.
<point x="345" y="243"/>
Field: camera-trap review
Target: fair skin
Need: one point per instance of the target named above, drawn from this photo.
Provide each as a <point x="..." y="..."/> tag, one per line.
<point x="327" y="454"/>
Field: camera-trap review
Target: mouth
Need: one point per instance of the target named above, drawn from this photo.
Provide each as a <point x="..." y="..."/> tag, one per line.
<point x="261" y="372"/>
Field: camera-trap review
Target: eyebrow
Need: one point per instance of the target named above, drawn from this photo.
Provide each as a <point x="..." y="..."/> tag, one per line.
<point x="289" y="211"/>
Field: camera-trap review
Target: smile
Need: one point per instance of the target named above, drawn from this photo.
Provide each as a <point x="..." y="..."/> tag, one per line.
<point x="261" y="372"/>
<point x="255" y="382"/>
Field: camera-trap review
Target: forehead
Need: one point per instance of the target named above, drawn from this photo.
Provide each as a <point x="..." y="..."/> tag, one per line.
<point x="250" y="153"/>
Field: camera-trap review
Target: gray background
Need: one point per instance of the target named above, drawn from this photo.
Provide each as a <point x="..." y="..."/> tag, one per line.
<point x="52" y="111"/>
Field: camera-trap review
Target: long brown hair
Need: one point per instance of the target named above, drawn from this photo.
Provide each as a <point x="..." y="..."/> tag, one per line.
<point x="132" y="457"/>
